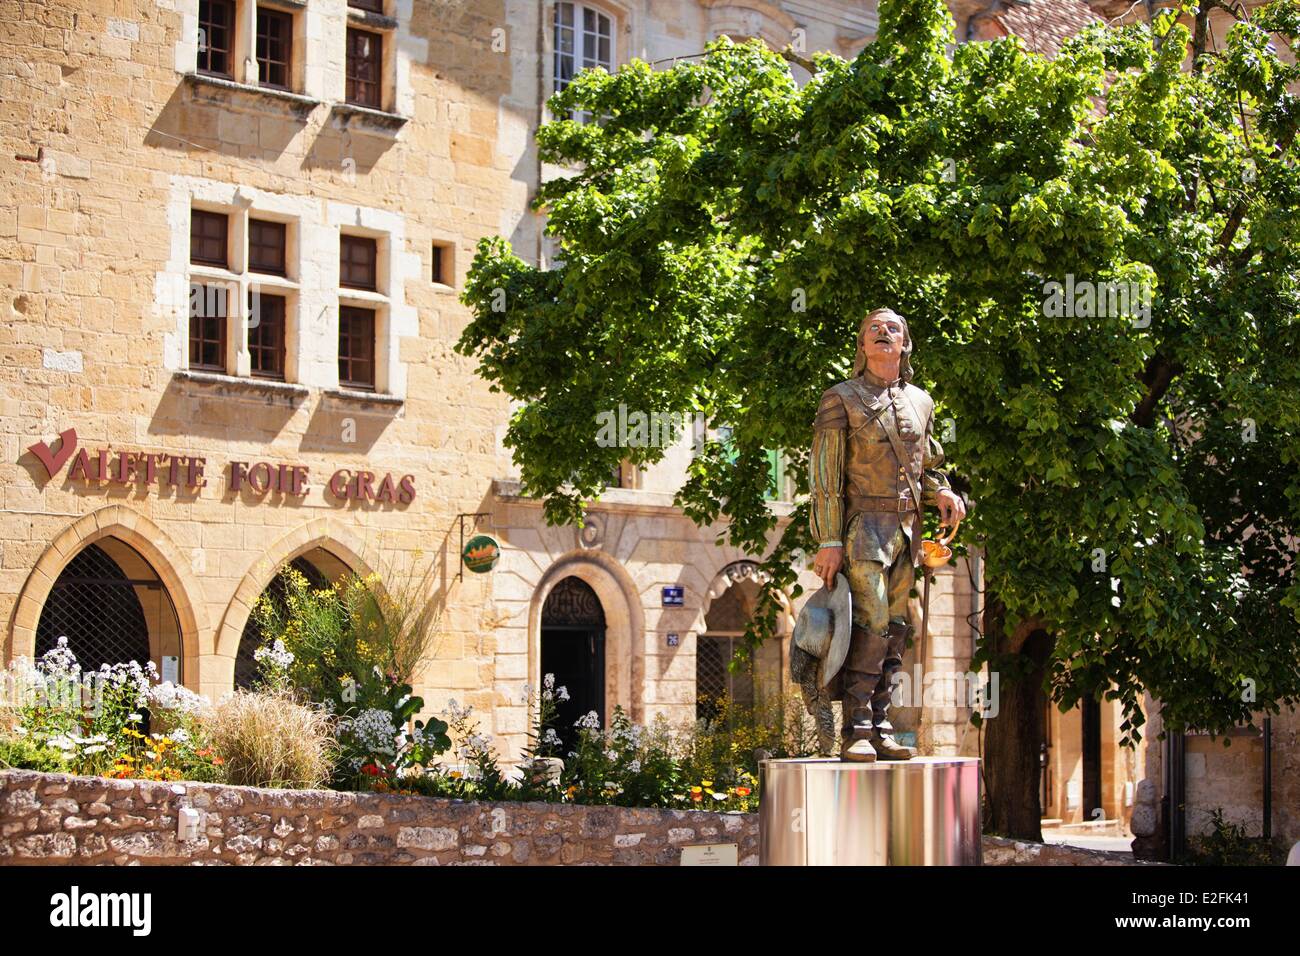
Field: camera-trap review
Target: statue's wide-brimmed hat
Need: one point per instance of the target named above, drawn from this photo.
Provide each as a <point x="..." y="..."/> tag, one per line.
<point x="823" y="627"/>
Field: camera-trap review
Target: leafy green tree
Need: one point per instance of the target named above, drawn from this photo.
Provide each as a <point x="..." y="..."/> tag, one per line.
<point x="724" y="230"/>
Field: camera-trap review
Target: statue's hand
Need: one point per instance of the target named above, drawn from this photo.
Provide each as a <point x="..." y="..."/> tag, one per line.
<point x="827" y="564"/>
<point x="951" y="508"/>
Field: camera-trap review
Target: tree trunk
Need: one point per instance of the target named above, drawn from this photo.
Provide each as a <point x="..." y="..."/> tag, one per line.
<point x="1014" y="738"/>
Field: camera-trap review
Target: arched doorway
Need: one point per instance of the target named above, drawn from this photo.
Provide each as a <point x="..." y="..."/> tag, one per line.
<point x="724" y="629"/>
<point x="573" y="649"/>
<point x="111" y="605"/>
<point x="319" y="568"/>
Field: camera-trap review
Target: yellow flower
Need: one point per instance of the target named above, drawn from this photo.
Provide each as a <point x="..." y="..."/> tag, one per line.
<point x="455" y="775"/>
<point x="706" y="783"/>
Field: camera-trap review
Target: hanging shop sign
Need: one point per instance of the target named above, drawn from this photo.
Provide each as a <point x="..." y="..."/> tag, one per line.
<point x="481" y="553"/>
<point x="127" y="467"/>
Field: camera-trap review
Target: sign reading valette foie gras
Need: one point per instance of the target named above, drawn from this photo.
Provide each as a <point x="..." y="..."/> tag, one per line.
<point x="119" y="466"/>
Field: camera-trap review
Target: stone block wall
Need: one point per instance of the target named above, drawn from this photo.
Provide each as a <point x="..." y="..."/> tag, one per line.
<point x="66" y="820"/>
<point x="58" y="819"/>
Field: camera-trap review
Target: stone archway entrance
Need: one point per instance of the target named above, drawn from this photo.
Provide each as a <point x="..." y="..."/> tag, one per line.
<point x="320" y="568"/>
<point x="113" y="608"/>
<point x="573" y="649"/>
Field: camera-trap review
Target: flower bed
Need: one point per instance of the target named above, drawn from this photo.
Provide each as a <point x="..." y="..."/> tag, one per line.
<point x="333" y="706"/>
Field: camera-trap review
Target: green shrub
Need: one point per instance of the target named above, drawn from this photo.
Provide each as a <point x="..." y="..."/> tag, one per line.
<point x="1228" y="844"/>
<point x="22" y="753"/>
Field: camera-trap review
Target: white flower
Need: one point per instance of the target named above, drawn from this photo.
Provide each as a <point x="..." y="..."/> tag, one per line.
<point x="551" y="738"/>
<point x="589" y="721"/>
<point x="374" y="731"/>
<point x="634" y="767"/>
<point x="169" y="696"/>
<point x="277" y="656"/>
<point x="96" y="749"/>
<point x="181" y="735"/>
<point x="548" y="682"/>
<point x="562" y="693"/>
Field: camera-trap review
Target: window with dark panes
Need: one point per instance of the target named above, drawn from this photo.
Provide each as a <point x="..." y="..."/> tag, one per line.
<point x="266" y="334"/>
<point x="208" y="237"/>
<point x="216" y="37"/>
<point x="364" y="69"/>
<point x="266" y="242"/>
<point x="374" y="6"/>
<point x="208" y="310"/>
<point x="356" y="347"/>
<point x="274" y="47"/>
<point x="442" y="263"/>
<point x="358" y="258"/>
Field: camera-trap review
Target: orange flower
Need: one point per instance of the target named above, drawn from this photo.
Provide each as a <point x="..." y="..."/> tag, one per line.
<point x="742" y="791"/>
<point x="696" y="795"/>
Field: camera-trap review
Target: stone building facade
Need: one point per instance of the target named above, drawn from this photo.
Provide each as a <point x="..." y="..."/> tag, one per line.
<point x="231" y="244"/>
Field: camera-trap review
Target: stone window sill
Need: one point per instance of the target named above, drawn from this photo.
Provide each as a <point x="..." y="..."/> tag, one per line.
<point x="357" y="395"/>
<point x="368" y="120"/>
<point x="248" y="94"/>
<point x="268" y="387"/>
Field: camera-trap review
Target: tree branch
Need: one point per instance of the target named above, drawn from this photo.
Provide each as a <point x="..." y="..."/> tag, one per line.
<point x="791" y="57"/>
<point x="1158" y="376"/>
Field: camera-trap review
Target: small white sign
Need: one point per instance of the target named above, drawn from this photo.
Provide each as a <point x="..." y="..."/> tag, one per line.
<point x="171" y="669"/>
<point x="711" y="854"/>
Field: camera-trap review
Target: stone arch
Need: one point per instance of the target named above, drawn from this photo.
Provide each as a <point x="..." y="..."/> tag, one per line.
<point x="151" y="544"/>
<point x="324" y="534"/>
<point x="770" y="657"/>
<point x="721" y="580"/>
<point x="751" y="18"/>
<point x="624" y="622"/>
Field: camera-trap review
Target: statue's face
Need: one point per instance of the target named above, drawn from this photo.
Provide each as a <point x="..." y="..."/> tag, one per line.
<point x="884" y="337"/>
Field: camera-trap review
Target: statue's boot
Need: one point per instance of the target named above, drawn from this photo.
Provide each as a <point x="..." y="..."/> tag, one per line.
<point x="861" y="676"/>
<point x="882" y="739"/>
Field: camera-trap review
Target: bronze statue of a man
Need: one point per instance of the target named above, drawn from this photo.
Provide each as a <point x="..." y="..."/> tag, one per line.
<point x="874" y="465"/>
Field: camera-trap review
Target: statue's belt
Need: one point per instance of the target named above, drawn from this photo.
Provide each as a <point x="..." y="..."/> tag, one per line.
<point x="858" y="503"/>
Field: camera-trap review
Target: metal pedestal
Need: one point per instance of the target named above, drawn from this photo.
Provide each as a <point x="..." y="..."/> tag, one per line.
<point x="828" y="812"/>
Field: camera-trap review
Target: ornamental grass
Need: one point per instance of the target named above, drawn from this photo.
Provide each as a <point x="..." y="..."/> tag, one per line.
<point x="271" y="740"/>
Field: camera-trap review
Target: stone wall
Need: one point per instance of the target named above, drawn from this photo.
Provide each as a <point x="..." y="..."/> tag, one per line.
<point x="58" y="819"/>
<point x="52" y="818"/>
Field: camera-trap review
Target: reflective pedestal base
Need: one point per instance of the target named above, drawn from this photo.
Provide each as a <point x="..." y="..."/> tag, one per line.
<point x="827" y="812"/>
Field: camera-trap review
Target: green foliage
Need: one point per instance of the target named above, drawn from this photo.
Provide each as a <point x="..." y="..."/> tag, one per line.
<point x="724" y="230"/>
<point x="353" y="648"/>
<point x="23" y="753"/>
<point x="1229" y="845"/>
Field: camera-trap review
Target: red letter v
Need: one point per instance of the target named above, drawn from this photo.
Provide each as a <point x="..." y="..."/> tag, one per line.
<point x="51" y="461"/>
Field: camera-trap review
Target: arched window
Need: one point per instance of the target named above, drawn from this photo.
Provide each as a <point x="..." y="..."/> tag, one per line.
<point x="112" y="607"/>
<point x="253" y="638"/>
<point x="724" y="625"/>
